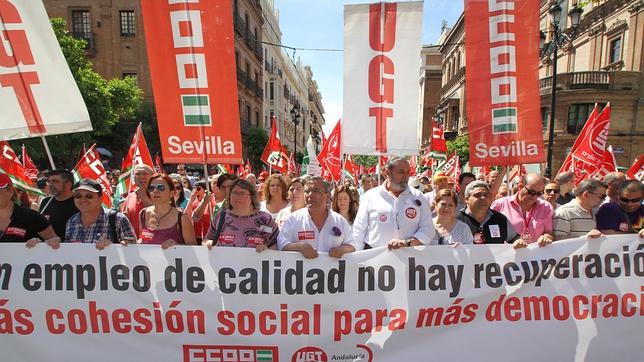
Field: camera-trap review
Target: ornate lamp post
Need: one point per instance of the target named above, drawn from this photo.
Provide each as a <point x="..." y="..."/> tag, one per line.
<point x="295" y="117"/>
<point x="559" y="38"/>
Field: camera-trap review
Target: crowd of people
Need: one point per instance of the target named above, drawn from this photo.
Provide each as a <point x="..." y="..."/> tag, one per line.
<point x="310" y="215"/>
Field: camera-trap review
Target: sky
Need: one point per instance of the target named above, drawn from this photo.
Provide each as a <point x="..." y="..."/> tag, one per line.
<point x="319" y="24"/>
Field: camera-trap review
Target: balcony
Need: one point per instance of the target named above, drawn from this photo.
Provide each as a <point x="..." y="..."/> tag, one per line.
<point x="240" y="26"/>
<point x="595" y="80"/>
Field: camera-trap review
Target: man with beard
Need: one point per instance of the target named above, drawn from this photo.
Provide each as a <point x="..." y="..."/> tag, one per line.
<point x="393" y="214"/>
<point x="59" y="207"/>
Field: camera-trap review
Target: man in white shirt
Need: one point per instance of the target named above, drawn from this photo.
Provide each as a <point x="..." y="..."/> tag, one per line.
<point x="316" y="228"/>
<point x="394" y="214"/>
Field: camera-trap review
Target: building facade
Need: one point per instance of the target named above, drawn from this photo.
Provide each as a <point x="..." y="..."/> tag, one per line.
<point x="431" y="82"/>
<point x="451" y="107"/>
<point x="602" y="63"/>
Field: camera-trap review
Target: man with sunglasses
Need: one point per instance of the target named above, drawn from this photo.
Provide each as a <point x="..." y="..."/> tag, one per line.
<point x="59" y="207"/>
<point x="551" y="194"/>
<point x="625" y="216"/>
<point x="92" y="224"/>
<point x="530" y="215"/>
<point x="575" y="218"/>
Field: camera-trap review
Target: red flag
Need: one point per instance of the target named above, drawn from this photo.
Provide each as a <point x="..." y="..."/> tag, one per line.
<point x="371" y="170"/>
<point x="413" y="165"/>
<point x="589" y="154"/>
<point x="275" y="155"/>
<point x="351" y="168"/>
<point x="91" y="167"/>
<point x="247" y="168"/>
<point x="607" y="165"/>
<point x="31" y="170"/>
<point x="438" y="143"/>
<point x="291" y="163"/>
<point x="567" y="164"/>
<point x="329" y="156"/>
<point x="10" y="165"/>
<point x="383" y="161"/>
<point x="158" y="164"/>
<point x="138" y="154"/>
<point x="636" y="172"/>
<point x="449" y="167"/>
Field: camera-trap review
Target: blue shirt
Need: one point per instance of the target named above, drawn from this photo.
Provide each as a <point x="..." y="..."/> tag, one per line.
<point x="76" y="233"/>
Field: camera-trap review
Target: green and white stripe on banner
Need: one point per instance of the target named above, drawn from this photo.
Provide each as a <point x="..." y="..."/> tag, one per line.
<point x="504" y="120"/>
<point x="264" y="355"/>
<point x="222" y="169"/>
<point x="22" y="185"/>
<point x="196" y="110"/>
<point x="438" y="155"/>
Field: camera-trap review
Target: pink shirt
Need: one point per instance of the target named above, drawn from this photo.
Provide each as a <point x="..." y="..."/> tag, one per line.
<point x="538" y="219"/>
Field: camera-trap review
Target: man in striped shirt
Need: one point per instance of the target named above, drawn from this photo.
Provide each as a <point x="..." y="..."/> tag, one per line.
<point x="576" y="218"/>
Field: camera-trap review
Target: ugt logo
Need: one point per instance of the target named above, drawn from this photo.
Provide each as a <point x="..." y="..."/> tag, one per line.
<point x="309" y="354"/>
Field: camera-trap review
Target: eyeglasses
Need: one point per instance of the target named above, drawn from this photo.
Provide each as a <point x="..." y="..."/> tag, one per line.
<point x="552" y="191"/>
<point x="533" y="193"/>
<point x="626" y="201"/>
<point x="158" y="187"/>
<point x="87" y="196"/>
<point x="240" y="193"/>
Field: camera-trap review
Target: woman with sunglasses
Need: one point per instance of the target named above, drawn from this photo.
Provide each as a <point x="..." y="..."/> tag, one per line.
<point x="449" y="230"/>
<point x="162" y="223"/>
<point x="19" y="224"/>
<point x="275" y="195"/>
<point x="200" y="208"/>
<point x="241" y="223"/>
<point x="296" y="199"/>
<point x="180" y="199"/>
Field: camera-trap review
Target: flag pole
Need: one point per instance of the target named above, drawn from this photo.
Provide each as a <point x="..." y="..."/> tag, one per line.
<point x="51" y="160"/>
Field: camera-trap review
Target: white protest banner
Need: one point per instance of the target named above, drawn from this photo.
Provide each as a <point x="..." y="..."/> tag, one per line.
<point x="575" y="300"/>
<point x="38" y="95"/>
<point x="381" y="74"/>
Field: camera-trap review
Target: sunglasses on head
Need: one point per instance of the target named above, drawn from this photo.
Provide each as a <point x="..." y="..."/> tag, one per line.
<point x="158" y="187"/>
<point x="533" y="193"/>
<point x="80" y="196"/>
<point x="626" y="201"/>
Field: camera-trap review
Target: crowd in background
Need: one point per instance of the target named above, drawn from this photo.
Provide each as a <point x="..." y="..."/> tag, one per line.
<point x="309" y="215"/>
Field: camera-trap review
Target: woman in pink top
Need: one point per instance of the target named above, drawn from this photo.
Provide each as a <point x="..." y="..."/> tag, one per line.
<point x="242" y="224"/>
<point x="162" y="223"/>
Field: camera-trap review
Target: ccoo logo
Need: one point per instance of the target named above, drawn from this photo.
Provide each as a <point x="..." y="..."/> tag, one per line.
<point x="309" y="354"/>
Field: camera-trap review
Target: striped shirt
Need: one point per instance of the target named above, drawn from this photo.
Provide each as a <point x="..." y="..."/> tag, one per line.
<point x="76" y="233"/>
<point x="460" y="233"/>
<point x="571" y="221"/>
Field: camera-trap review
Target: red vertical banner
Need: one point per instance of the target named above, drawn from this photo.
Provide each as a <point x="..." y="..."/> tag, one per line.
<point x="503" y="101"/>
<point x="191" y="53"/>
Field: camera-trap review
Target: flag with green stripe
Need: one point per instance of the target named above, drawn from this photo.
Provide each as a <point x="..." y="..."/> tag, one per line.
<point x="264" y="355"/>
<point x="504" y="120"/>
<point x="196" y="110"/>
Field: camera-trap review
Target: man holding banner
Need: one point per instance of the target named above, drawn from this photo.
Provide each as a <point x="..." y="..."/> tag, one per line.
<point x="138" y="199"/>
<point x="59" y="207"/>
<point x="394" y="214"/>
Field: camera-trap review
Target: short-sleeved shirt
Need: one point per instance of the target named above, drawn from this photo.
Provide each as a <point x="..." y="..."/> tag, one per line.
<point x="538" y="219"/>
<point x="460" y="233"/>
<point x="572" y="220"/>
<point x="25" y="224"/>
<point x="244" y="231"/>
<point x="299" y="227"/>
<point x="77" y="233"/>
<point x="611" y="217"/>
<point x="58" y="212"/>
<point x="382" y="217"/>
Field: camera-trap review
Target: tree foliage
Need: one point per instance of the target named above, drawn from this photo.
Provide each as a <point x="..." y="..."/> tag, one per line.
<point x="461" y="145"/>
<point x="255" y="141"/>
<point x="108" y="103"/>
<point x="364" y="160"/>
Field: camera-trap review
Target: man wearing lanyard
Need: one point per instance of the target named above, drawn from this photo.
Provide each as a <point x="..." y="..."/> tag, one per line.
<point x="530" y="215"/>
<point x="393" y="214"/>
<point x="316" y="228"/>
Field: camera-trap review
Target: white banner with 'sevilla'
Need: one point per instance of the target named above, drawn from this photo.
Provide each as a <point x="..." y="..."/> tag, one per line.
<point x="575" y="300"/>
<point x="381" y="74"/>
<point x="38" y="95"/>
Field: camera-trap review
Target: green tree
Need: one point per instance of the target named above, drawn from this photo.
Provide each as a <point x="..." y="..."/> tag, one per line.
<point x="461" y="145"/>
<point x="254" y="142"/>
<point x="108" y="102"/>
<point x="365" y="160"/>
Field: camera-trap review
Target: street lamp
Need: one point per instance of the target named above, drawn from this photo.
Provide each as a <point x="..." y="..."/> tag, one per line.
<point x="295" y="117"/>
<point x="559" y="38"/>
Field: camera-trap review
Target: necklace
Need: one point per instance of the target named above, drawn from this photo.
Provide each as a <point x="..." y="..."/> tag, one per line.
<point x="158" y="219"/>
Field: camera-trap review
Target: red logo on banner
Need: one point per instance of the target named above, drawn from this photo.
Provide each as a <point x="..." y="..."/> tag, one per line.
<point x="309" y="354"/>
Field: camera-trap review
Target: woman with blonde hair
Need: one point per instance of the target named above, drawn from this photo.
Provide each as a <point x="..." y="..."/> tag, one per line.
<point x="296" y="199"/>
